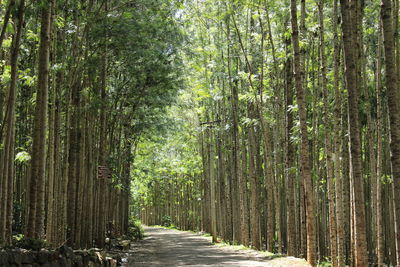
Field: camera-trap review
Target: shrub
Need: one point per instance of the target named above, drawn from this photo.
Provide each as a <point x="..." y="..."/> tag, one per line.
<point x="166" y="221"/>
<point x="20" y="241"/>
<point x="135" y="230"/>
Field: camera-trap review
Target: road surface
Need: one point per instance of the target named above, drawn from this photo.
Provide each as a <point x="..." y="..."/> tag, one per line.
<point x="165" y="247"/>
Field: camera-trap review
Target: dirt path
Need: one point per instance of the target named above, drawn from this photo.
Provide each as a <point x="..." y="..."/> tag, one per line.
<point x="164" y="247"/>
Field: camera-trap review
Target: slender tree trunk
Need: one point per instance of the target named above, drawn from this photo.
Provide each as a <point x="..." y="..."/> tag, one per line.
<point x="51" y="193"/>
<point x="305" y="161"/>
<point x="254" y="184"/>
<point x="243" y="200"/>
<point x="290" y="163"/>
<point x="328" y="147"/>
<point x="337" y="142"/>
<point x="380" y="250"/>
<point x="394" y="119"/>
<point x="35" y="227"/>
<point x="212" y="176"/>
<point x="350" y="39"/>
<point x="236" y="169"/>
<point x="7" y="196"/>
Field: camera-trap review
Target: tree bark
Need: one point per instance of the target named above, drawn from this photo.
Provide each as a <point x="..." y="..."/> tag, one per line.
<point x="35" y="227"/>
<point x="394" y="119"/>
<point x="328" y="146"/>
<point x="350" y="12"/>
<point x="305" y="160"/>
<point x="6" y="200"/>
<point x="380" y="250"/>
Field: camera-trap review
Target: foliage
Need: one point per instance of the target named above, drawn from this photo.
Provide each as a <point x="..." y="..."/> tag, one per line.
<point x="135" y="229"/>
<point x="22" y="157"/>
<point x="166" y="221"/>
<point x="21" y="241"/>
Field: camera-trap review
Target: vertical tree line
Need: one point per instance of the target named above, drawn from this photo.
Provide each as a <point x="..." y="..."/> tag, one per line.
<point x="80" y="83"/>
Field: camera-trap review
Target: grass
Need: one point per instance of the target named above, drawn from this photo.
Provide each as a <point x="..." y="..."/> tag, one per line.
<point x="243" y="247"/>
<point x="172" y="227"/>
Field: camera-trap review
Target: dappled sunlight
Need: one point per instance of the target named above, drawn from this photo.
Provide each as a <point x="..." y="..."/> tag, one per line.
<point x="166" y="247"/>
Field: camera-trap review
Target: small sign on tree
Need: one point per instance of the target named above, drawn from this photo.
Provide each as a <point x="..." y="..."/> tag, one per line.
<point x="103" y="172"/>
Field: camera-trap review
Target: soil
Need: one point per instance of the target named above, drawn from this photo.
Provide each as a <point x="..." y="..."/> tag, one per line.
<point x="165" y="247"/>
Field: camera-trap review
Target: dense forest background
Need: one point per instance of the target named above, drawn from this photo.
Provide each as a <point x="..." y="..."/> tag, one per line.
<point x="273" y="124"/>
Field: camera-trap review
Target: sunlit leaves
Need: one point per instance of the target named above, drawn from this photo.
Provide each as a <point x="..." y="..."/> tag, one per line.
<point x="7" y="43"/>
<point x="6" y="76"/>
<point x="22" y="157"/>
<point x="26" y="78"/>
<point x="31" y="36"/>
<point x="59" y="22"/>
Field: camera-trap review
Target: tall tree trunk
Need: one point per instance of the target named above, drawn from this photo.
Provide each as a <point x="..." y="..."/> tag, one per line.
<point x="305" y="160"/>
<point x="235" y="157"/>
<point x="328" y="147"/>
<point x="35" y="227"/>
<point x="73" y="165"/>
<point x="380" y="250"/>
<point x="254" y="184"/>
<point x="350" y="12"/>
<point x="6" y="200"/>
<point x="337" y="141"/>
<point x="290" y="163"/>
<point x="394" y="119"/>
<point x="212" y="176"/>
<point x="51" y="194"/>
<point x="103" y="183"/>
<point x="242" y="189"/>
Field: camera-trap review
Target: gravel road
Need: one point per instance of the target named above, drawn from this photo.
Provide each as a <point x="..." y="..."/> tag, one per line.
<point x="165" y="247"/>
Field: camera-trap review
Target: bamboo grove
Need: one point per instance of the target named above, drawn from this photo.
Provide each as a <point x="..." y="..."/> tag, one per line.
<point x="298" y="129"/>
<point x="81" y="81"/>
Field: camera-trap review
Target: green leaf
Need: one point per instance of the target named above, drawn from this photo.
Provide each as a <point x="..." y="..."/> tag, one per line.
<point x="22" y="157"/>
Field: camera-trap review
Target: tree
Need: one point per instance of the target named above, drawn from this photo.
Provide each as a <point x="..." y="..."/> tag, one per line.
<point x="350" y="12"/>
<point x="7" y="188"/>
<point x="35" y="228"/>
<point x="305" y="162"/>
<point x="392" y="90"/>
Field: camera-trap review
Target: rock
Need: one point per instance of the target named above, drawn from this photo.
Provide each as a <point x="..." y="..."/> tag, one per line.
<point x="118" y="258"/>
<point x="15" y="257"/>
<point x="66" y="251"/>
<point x="3" y="258"/>
<point x="27" y="257"/>
<point x="62" y="261"/>
<point x="125" y="244"/>
<point x="106" y="263"/>
<point x="43" y="256"/>
<point x="68" y="263"/>
<point x="99" y="257"/>
<point x="77" y="261"/>
<point x="112" y="263"/>
<point x="56" y="264"/>
<point x="94" y="250"/>
<point x="63" y="257"/>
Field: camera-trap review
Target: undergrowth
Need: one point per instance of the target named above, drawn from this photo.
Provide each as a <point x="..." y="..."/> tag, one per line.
<point x="135" y="229"/>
